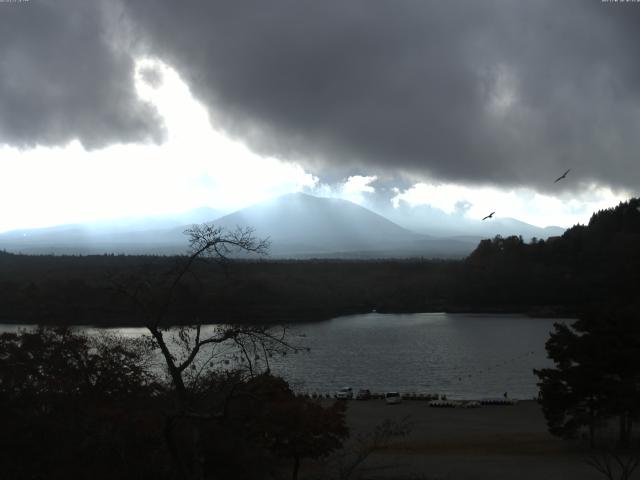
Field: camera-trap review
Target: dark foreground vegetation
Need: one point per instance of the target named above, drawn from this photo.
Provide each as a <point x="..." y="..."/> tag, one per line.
<point x="73" y="407"/>
<point x="195" y="403"/>
<point x="597" y="374"/>
<point x="592" y="264"/>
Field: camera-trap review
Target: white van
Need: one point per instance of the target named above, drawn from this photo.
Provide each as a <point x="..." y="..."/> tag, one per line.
<point x="392" y="398"/>
<point x="345" y="393"/>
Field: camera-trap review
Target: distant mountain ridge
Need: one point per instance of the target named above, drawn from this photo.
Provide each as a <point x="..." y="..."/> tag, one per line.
<point x="426" y="219"/>
<point x="152" y="235"/>
<point x="304" y="224"/>
<point x="298" y="226"/>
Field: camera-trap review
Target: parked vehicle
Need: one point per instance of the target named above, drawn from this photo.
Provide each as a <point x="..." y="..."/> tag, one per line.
<point x="392" y="398"/>
<point x="345" y="393"/>
<point x="363" y="394"/>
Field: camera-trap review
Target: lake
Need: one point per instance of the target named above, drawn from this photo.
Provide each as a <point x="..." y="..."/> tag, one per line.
<point x="459" y="355"/>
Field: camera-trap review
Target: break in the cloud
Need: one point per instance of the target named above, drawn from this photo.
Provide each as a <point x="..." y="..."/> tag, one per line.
<point x="524" y="204"/>
<point x="355" y="188"/>
<point x="196" y="166"/>
<point x="493" y="92"/>
<point x="490" y="100"/>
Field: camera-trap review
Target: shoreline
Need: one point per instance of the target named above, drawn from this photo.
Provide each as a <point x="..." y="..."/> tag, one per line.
<point x="289" y="318"/>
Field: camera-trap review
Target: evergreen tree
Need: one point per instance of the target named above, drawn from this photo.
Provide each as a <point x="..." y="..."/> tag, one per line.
<point x="597" y="373"/>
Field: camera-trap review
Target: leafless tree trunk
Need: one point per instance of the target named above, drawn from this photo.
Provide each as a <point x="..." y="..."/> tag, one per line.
<point x="614" y="465"/>
<point x="154" y="301"/>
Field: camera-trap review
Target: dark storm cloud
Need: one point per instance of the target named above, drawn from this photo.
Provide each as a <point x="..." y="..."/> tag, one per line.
<point x="490" y="92"/>
<point x="64" y="76"/>
<point x="498" y="91"/>
<point x="151" y="76"/>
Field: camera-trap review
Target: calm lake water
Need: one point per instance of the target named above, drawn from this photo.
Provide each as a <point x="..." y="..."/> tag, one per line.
<point x="459" y="355"/>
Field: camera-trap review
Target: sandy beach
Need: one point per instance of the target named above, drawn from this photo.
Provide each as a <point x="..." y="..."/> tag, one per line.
<point x="490" y="442"/>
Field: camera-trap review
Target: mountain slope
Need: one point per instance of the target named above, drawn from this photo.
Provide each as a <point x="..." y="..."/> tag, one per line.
<point x="301" y="223"/>
<point x="158" y="234"/>
<point x="298" y="226"/>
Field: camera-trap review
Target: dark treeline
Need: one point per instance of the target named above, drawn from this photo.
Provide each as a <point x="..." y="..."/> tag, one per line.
<point x="78" y="407"/>
<point x="591" y="264"/>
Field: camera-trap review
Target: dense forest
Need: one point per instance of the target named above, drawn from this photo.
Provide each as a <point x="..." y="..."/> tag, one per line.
<point x="593" y="263"/>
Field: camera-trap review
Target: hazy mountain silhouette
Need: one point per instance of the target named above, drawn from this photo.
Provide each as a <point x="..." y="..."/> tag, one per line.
<point x="301" y="225"/>
<point x="304" y="222"/>
<point x="432" y="221"/>
<point x="154" y="234"/>
<point x="298" y="225"/>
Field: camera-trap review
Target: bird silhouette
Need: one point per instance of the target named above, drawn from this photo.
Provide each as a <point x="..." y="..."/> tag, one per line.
<point x="489" y="216"/>
<point x="564" y="175"/>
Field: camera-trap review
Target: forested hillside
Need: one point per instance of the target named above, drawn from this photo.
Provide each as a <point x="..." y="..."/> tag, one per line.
<point x="598" y="262"/>
<point x="595" y="263"/>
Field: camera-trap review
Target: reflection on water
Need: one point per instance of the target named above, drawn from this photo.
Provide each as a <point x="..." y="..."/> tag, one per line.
<point x="460" y="355"/>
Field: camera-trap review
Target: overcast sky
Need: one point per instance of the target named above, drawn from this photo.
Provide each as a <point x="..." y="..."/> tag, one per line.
<point x="118" y="108"/>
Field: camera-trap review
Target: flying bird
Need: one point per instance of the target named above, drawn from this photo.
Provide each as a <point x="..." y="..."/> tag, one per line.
<point x="489" y="216"/>
<point x="564" y="175"/>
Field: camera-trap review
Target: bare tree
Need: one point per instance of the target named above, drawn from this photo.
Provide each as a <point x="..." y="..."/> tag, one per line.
<point x="614" y="465"/>
<point x="191" y="348"/>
